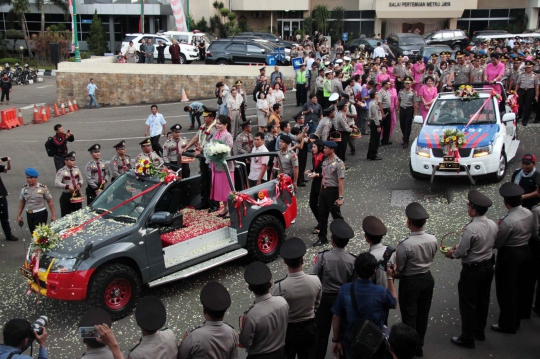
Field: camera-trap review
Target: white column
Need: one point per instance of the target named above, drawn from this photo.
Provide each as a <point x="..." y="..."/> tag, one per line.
<point x="378" y="27"/>
<point x="152" y="24"/>
<point x="112" y="46"/>
<point x="452" y="23"/>
<point x="532" y="15"/>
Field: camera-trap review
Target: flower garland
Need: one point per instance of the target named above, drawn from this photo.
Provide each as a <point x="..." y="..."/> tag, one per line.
<point x="44" y="238"/>
<point x="466" y="93"/>
<point x="167" y="176"/>
<point x="144" y="168"/>
<point x="452" y="141"/>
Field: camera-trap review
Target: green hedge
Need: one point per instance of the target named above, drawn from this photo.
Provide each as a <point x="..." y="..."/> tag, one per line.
<point x="9" y="60"/>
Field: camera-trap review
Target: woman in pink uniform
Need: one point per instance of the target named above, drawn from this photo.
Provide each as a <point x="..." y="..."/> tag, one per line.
<point x="427" y="95"/>
<point x="494" y="72"/>
<point x="417" y="71"/>
<point x="393" y="104"/>
<point x="220" y="183"/>
<point x="382" y="76"/>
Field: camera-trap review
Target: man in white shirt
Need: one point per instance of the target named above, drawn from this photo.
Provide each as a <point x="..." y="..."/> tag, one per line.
<point x="378" y="51"/>
<point x="155" y="127"/>
<point x="257" y="173"/>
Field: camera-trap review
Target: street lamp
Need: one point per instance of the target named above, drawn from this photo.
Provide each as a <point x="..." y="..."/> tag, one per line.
<point x="22" y="53"/>
<point x="75" y="35"/>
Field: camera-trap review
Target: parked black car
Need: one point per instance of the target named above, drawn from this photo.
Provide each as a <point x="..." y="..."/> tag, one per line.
<point x="405" y="43"/>
<point x="238" y="52"/>
<point x="369" y="43"/>
<point x="427" y="51"/>
<point x="456" y="39"/>
<point x="270" y="37"/>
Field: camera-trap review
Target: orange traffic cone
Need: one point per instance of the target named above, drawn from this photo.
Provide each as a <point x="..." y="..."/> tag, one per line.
<point x="20" y="118"/>
<point x="56" y="110"/>
<point x="36" y="113"/>
<point x="62" y="108"/>
<point x="39" y="118"/>
<point x="48" y="110"/>
<point x="43" y="114"/>
<point x="184" y="96"/>
<point x="75" y="106"/>
<point x="70" y="106"/>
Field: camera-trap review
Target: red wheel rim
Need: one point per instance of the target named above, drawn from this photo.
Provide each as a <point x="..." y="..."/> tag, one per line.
<point x="268" y="240"/>
<point x="118" y="294"/>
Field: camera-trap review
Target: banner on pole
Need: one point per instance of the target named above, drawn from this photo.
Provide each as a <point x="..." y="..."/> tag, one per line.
<point x="179" y="15"/>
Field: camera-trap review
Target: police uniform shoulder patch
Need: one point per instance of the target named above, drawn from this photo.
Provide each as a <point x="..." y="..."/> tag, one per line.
<point x="25" y="185"/>
<point x="403" y="240"/>
<point x="42" y="185"/>
<point x="195" y="328"/>
<point x="316" y="259"/>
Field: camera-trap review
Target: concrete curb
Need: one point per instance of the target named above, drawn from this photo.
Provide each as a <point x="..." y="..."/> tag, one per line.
<point x="42" y="72"/>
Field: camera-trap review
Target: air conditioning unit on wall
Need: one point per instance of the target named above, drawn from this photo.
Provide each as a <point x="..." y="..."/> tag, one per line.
<point x="257" y="14"/>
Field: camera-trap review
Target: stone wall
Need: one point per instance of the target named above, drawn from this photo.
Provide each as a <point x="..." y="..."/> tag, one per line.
<point x="129" y="84"/>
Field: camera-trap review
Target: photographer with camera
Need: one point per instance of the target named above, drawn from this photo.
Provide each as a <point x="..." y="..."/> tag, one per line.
<point x="89" y="334"/>
<point x="19" y="335"/>
<point x="4" y="213"/>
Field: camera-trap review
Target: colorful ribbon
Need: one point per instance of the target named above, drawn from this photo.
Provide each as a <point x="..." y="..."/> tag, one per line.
<point x="475" y="116"/>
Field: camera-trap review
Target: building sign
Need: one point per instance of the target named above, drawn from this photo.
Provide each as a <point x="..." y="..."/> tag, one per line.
<point x="420" y="4"/>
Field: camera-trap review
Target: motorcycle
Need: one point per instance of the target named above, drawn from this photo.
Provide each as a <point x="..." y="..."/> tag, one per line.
<point x="18" y="76"/>
<point x="29" y="74"/>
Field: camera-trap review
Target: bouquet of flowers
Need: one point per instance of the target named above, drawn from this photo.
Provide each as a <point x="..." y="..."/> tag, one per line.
<point x="44" y="238"/>
<point x="512" y="101"/>
<point x="216" y="151"/>
<point x="466" y="93"/>
<point x="145" y="168"/>
<point x="452" y="141"/>
<point x="168" y="176"/>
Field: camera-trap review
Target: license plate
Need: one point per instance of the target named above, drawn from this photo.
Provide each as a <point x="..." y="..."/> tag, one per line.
<point x="449" y="166"/>
<point x="27" y="274"/>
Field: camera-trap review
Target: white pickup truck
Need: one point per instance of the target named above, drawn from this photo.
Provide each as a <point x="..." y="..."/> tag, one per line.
<point x="491" y="138"/>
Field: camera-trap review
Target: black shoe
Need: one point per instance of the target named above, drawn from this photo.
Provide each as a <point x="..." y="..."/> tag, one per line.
<point x="212" y="209"/>
<point x="536" y="310"/>
<point x="497" y="328"/>
<point x="480" y="336"/>
<point x="301" y="184"/>
<point x="405" y="145"/>
<point x="375" y="159"/>
<point x="320" y="242"/>
<point x="11" y="237"/>
<point x="457" y="341"/>
<point x="524" y="124"/>
<point x="346" y="168"/>
<point x="199" y="208"/>
<point x="353" y="153"/>
<point x="386" y="144"/>
<point x="419" y="352"/>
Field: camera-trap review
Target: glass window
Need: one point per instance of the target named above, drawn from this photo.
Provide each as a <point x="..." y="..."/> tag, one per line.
<point x="478" y="25"/>
<point x="253" y="49"/>
<point x="459" y="34"/>
<point x="477" y="14"/>
<point x="466" y="14"/>
<point x="352" y="14"/>
<point x="463" y="25"/>
<point x="369" y="14"/>
<point x="499" y="13"/>
<point x="516" y="12"/>
<point x="498" y="23"/>
<point x="367" y="27"/>
<point x="448" y="35"/>
<point x="236" y="48"/>
<point x="437" y="36"/>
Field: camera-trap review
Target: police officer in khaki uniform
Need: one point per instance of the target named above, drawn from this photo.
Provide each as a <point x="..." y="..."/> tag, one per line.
<point x="332" y="190"/>
<point x="244" y="141"/>
<point x="69" y="178"/>
<point x="460" y="73"/>
<point x="325" y="124"/>
<point x="414" y="256"/>
<point x="514" y="269"/>
<point x="264" y="324"/>
<point x="477" y="72"/>
<point x="148" y="154"/>
<point x="171" y="151"/>
<point x="34" y="195"/>
<point x="120" y="163"/>
<point x="288" y="158"/>
<point x="151" y="316"/>
<point x="527" y="89"/>
<point x="95" y="349"/>
<point x="334" y="268"/>
<point x="303" y="294"/>
<point x="407" y="109"/>
<point x="475" y="249"/>
<point x="97" y="174"/>
<point x="215" y="338"/>
<point x="374" y="231"/>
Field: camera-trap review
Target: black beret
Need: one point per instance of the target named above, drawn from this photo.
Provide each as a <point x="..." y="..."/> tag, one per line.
<point x="95" y="316"/>
<point x="510" y="189"/>
<point x="150" y="313"/>
<point x="415" y="211"/>
<point x="245" y="123"/>
<point x="341" y="229"/>
<point x="257" y="273"/>
<point x="328" y="110"/>
<point x="146" y="141"/>
<point x="120" y="144"/>
<point x="69" y="155"/>
<point x="341" y="104"/>
<point x="286" y="139"/>
<point x="299" y="113"/>
<point x="215" y="297"/>
<point x="478" y="199"/>
<point x="271" y="124"/>
<point x="207" y="111"/>
<point x="95" y="147"/>
<point x="374" y="226"/>
<point x="176" y="127"/>
<point x="293" y="248"/>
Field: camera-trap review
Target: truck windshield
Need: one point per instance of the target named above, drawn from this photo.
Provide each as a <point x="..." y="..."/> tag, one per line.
<point x="123" y="190"/>
<point x="458" y="112"/>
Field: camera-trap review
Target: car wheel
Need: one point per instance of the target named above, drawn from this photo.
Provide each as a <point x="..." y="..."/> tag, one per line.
<point x="222" y="62"/>
<point x="416" y="175"/>
<point x="265" y="236"/>
<point x="456" y="47"/>
<point x="182" y="59"/>
<point x="501" y="169"/>
<point x="116" y="288"/>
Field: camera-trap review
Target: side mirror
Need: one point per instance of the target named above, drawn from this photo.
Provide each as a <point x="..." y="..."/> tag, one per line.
<point x="161" y="218"/>
<point x="418" y="119"/>
<point x="262" y="51"/>
<point x="507" y="117"/>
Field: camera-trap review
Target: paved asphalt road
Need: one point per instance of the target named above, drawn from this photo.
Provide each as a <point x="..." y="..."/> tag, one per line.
<point x="372" y="188"/>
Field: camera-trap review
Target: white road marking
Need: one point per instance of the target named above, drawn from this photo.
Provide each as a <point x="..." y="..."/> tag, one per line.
<point x="42" y="87"/>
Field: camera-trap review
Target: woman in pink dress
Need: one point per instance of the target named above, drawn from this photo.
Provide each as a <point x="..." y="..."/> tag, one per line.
<point x="391" y="69"/>
<point x="418" y="70"/>
<point x="494" y="72"/>
<point x="382" y="76"/>
<point x="427" y="95"/>
<point x="220" y="183"/>
<point x="393" y="104"/>
<point x="359" y="69"/>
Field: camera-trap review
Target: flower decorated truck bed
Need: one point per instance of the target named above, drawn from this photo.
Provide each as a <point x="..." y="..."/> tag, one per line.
<point x="145" y="230"/>
<point x="466" y="134"/>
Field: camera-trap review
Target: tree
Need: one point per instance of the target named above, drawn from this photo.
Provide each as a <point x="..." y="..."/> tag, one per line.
<point x="97" y="44"/>
<point x="62" y="4"/>
<point x="202" y="25"/>
<point x="19" y="8"/>
<point x="339" y="22"/>
<point x="321" y="14"/>
<point x="12" y="34"/>
<point x="307" y="25"/>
